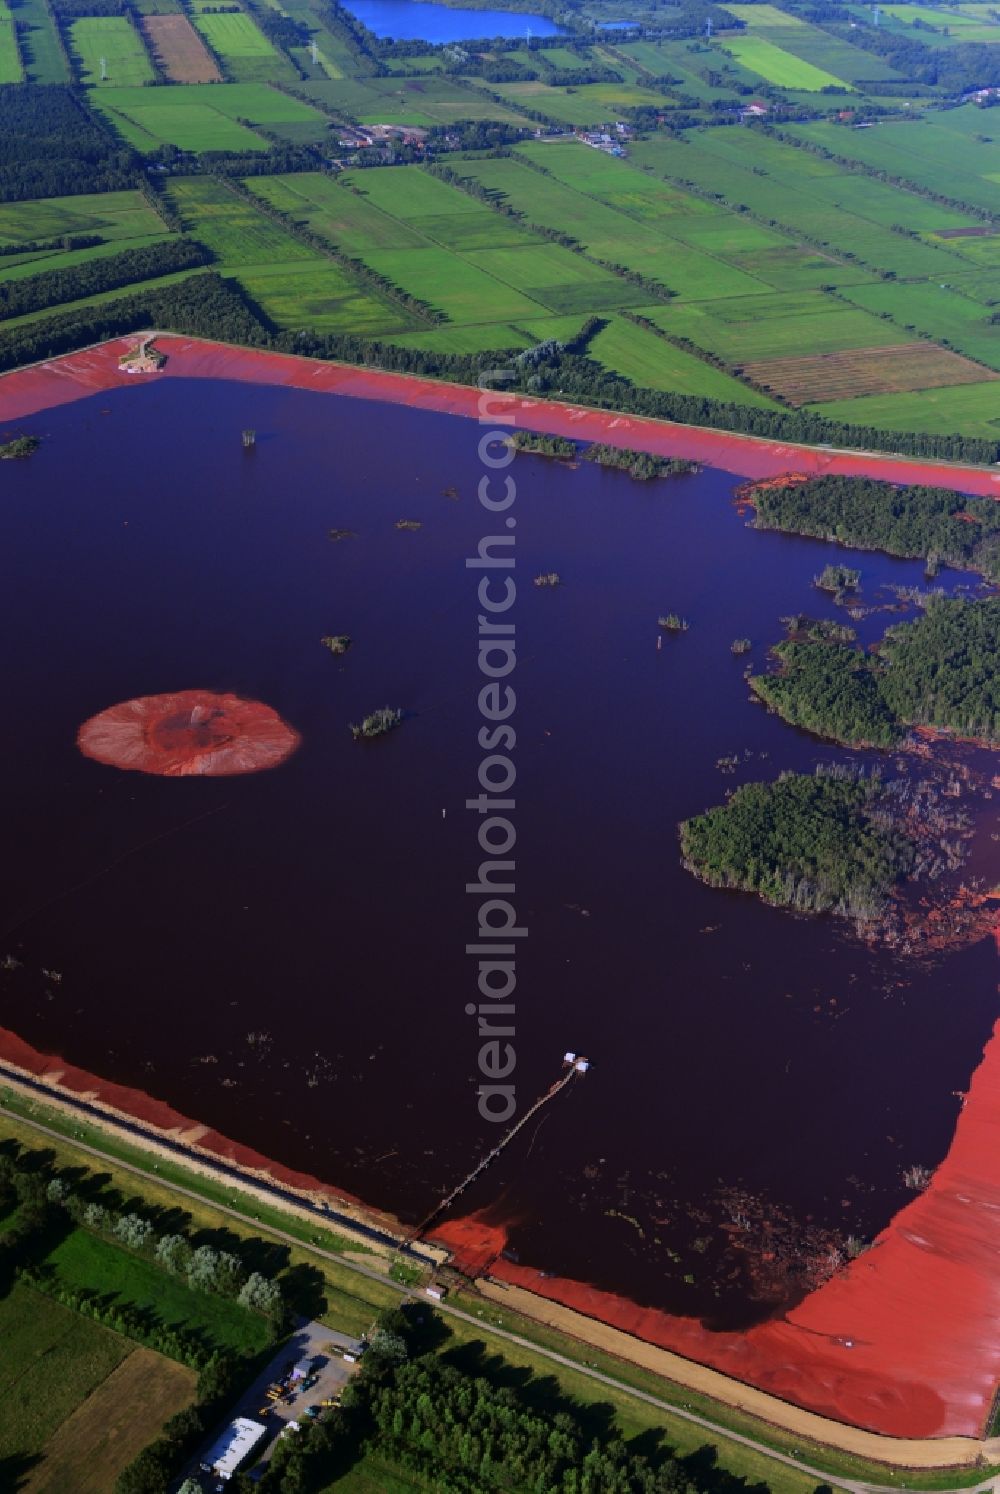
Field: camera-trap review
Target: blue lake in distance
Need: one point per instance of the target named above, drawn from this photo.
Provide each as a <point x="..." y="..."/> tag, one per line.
<point x="421" y="20"/>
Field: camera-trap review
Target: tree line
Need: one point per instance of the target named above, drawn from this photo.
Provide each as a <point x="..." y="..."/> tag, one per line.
<point x="937" y="525"/>
<point x="94" y="276"/>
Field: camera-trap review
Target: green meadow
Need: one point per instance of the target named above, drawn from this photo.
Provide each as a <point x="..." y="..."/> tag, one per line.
<point x="778" y="66"/>
<point x="245" y="52"/>
<point x="110" y="52"/>
<point x="113" y="215"/>
<point x="41" y="54"/>
<point x="653" y="363"/>
<point x="201" y="117"/>
<point x="954" y="152"/>
<point x="973" y="409"/>
<point x="11" y="70"/>
<point x="292" y="283"/>
<point x="51" y="1360"/>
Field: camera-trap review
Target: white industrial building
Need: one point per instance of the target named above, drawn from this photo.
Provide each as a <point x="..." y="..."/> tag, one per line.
<point x="233" y="1448"/>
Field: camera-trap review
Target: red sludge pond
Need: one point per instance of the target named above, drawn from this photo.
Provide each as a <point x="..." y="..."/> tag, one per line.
<point x="281" y="953"/>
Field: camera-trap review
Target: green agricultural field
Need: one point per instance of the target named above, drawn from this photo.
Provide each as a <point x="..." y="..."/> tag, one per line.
<point x="431" y="63"/>
<point x="812" y="44"/>
<point x="973" y="409"/>
<point x="653" y="363"/>
<point x="614" y="182"/>
<point x="160" y="283"/>
<point x="87" y="1262"/>
<point x="940" y="312"/>
<point x="740" y="331"/>
<point x="590" y="104"/>
<point x="685" y="62"/>
<point x="953" y="152"/>
<point x="246" y="53"/>
<point x="778" y="66"/>
<point x="197" y="117"/>
<point x="607" y="232"/>
<point x="408" y="194"/>
<point x="347" y="220"/>
<point x="294" y="285"/>
<point x="423" y="101"/>
<point x="474" y="266"/>
<point x="557" y="279"/>
<point x="17" y="268"/>
<point x="114" y="215"/>
<point x="235" y="233"/>
<point x="321" y="296"/>
<point x="337" y="57"/>
<point x="446" y="248"/>
<point x="115" y="40"/>
<point x="110" y="1428"/>
<point x="500" y="336"/>
<point x="10" y="56"/>
<point x="971" y="23"/>
<point x="851" y="216"/>
<point x="41" y="53"/>
<point x="455" y="286"/>
<point x="50" y="1361"/>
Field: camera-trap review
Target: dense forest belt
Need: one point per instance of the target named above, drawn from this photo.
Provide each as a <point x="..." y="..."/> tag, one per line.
<point x="809" y="842"/>
<point x="937" y="525"/>
<point x="51" y="146"/>
<point x="32" y="389"/>
<point x="94" y="276"/>
<point x="940" y="671"/>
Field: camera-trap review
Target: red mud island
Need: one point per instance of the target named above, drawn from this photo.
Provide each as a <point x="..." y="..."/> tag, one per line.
<point x="190" y="733"/>
<point x="906" y="1341"/>
<point x="26" y="391"/>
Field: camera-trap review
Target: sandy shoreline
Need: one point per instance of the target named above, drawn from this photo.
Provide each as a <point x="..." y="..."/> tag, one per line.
<point x="906" y="1342"/>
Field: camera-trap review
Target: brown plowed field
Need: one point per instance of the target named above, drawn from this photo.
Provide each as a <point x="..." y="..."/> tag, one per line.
<point x="179" y="50"/>
<point x="819" y="377"/>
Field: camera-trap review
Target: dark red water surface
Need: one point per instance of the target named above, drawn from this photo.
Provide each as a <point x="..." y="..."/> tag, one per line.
<point x="281" y="955"/>
<point x="905" y="1342"/>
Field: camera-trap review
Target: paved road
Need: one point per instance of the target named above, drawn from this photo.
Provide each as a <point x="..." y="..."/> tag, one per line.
<point x="669" y="1408"/>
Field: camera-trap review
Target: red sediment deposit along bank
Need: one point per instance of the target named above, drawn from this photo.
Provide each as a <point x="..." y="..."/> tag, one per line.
<point x="27" y="391"/>
<point x="904" y="1342"/>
